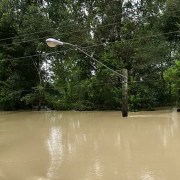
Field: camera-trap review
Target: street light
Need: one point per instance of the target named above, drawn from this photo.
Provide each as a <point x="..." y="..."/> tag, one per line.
<point x="51" y="42"/>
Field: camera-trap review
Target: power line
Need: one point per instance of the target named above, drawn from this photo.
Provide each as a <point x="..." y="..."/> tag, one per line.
<point x="86" y="47"/>
<point x="35" y="55"/>
<point x="154" y="35"/>
<point x="65" y="33"/>
<point x="45" y="30"/>
<point x="41" y="31"/>
<point x="132" y="39"/>
<point x="56" y="29"/>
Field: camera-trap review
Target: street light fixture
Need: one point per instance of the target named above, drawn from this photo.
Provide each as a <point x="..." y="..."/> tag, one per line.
<point x="51" y="42"/>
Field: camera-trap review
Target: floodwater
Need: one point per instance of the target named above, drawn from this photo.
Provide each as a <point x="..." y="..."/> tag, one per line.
<point x="90" y="146"/>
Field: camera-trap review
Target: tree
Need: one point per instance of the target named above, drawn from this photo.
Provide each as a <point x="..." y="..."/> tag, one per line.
<point x="136" y="35"/>
<point x="173" y="76"/>
<point x="22" y="38"/>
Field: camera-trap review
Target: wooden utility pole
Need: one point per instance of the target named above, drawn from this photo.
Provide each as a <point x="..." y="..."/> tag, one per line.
<point x="125" y="93"/>
<point x="178" y="101"/>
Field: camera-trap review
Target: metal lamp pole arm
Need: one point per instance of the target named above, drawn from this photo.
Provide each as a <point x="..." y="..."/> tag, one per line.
<point x="76" y="47"/>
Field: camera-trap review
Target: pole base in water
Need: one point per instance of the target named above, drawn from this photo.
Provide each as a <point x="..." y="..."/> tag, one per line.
<point x="125" y="114"/>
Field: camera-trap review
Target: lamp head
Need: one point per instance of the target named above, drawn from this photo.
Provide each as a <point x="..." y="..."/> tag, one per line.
<point x="51" y="42"/>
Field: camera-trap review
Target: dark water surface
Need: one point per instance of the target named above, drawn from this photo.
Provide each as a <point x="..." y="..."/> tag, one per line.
<point x="89" y="146"/>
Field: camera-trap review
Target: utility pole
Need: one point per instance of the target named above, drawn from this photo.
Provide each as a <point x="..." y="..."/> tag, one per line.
<point x="178" y="101"/>
<point x="125" y="93"/>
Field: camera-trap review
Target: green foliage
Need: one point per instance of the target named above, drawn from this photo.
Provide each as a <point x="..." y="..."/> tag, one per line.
<point x="142" y="97"/>
<point x="9" y="99"/>
<point x="173" y="75"/>
<point x="136" y="35"/>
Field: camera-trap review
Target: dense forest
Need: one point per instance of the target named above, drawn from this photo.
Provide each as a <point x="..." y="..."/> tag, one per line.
<point x="141" y="36"/>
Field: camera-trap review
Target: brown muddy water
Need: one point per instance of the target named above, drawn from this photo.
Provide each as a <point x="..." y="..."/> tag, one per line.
<point x="89" y="146"/>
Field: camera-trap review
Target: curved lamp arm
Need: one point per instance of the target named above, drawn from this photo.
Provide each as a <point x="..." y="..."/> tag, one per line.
<point x="51" y="42"/>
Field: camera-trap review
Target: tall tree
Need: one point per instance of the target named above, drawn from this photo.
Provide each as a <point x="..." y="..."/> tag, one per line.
<point x="24" y="40"/>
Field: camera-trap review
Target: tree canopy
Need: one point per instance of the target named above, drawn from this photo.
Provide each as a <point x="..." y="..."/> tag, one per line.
<point x="141" y="36"/>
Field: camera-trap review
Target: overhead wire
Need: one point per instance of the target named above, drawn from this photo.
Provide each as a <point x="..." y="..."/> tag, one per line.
<point x="139" y="38"/>
<point x="51" y="30"/>
<point x="72" y="32"/>
<point x="97" y="45"/>
<point x="41" y="31"/>
<point x="36" y="55"/>
<point x="65" y="33"/>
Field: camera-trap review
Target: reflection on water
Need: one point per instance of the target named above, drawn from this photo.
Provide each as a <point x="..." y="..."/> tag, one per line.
<point x="89" y="146"/>
<point x="55" y="148"/>
<point x="147" y="175"/>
